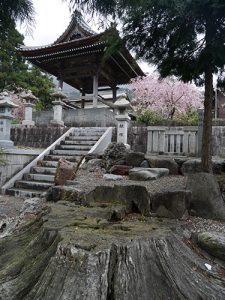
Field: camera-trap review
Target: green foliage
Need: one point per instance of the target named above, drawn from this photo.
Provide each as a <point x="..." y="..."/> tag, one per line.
<point x="14" y="72"/>
<point x="151" y="118"/>
<point x="113" y="41"/>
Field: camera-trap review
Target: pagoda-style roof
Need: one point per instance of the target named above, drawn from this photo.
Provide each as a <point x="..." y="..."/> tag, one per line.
<point x="77" y="55"/>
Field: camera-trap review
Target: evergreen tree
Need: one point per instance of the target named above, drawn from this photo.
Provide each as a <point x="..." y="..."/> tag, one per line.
<point x="14" y="72"/>
<point x="185" y="38"/>
<point x="12" y="11"/>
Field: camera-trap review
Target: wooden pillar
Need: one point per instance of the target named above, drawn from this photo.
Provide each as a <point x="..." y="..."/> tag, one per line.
<point x="60" y="83"/>
<point x="83" y="99"/>
<point x="95" y="90"/>
<point x="114" y="93"/>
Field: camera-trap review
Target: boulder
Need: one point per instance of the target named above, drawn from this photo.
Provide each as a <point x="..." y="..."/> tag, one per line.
<point x="134" y="158"/>
<point x="147" y="173"/>
<point x="134" y="197"/>
<point x="64" y="172"/>
<point x="213" y="243"/>
<point x="114" y="154"/>
<point x="168" y="163"/>
<point x="112" y="177"/>
<point x="171" y="204"/>
<point x="66" y="193"/>
<point x="206" y="201"/>
<point x="120" y="170"/>
<point x="191" y="166"/>
<point x="194" y="166"/>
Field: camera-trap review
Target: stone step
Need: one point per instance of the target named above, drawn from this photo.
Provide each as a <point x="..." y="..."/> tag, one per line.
<point x="69" y="152"/>
<point x="88" y="131"/>
<point x="24" y="193"/>
<point x="55" y="158"/>
<point x="76" y="143"/>
<point x="34" y="185"/>
<point x="47" y="163"/>
<point x="39" y="177"/>
<point x="43" y="170"/>
<point x="74" y="147"/>
<point x="82" y="138"/>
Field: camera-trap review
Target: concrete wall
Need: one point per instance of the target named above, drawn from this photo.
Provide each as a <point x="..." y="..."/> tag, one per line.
<point x="13" y="161"/>
<point x="94" y="117"/>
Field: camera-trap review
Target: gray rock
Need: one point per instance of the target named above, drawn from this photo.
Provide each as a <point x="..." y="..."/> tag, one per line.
<point x="114" y="154"/>
<point x="207" y="201"/>
<point x="144" y="164"/>
<point x="168" y="163"/>
<point x="171" y="204"/>
<point x="134" y="197"/>
<point x="134" y="158"/>
<point x="147" y="173"/>
<point x="112" y="177"/>
<point x="213" y="243"/>
<point x="192" y="166"/>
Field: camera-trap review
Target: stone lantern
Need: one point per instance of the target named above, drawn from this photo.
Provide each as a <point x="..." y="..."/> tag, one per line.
<point x="122" y="105"/>
<point x="6" y="107"/>
<point x="57" y="108"/>
<point x="30" y="100"/>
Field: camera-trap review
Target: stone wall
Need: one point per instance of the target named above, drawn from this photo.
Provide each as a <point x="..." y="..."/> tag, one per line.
<point x="137" y="137"/>
<point x="93" y="117"/>
<point x="218" y="142"/>
<point x="42" y="137"/>
<point x="13" y="161"/>
<point x="36" y="137"/>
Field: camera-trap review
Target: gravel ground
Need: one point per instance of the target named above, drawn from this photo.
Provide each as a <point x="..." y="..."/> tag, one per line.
<point x="88" y="180"/>
<point x="10" y="206"/>
<point x="196" y="224"/>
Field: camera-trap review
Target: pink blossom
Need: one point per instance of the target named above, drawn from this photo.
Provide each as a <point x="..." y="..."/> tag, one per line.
<point x="167" y="97"/>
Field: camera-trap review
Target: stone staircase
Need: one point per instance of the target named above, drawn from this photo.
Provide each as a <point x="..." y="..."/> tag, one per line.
<point x="41" y="176"/>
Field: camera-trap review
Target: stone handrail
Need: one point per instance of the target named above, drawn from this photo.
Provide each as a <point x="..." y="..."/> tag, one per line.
<point x="103" y="142"/>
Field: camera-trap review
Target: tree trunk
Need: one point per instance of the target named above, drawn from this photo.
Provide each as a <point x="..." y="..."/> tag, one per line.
<point x="207" y="123"/>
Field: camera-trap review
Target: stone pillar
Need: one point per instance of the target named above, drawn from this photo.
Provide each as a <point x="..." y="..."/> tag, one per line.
<point x="28" y="115"/>
<point x="30" y="99"/>
<point x="200" y="129"/>
<point x="122" y="105"/>
<point x="58" y="108"/>
<point x="6" y="106"/>
<point x="95" y="91"/>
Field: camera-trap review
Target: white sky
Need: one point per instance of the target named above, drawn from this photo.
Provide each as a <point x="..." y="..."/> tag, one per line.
<point x="52" y="18"/>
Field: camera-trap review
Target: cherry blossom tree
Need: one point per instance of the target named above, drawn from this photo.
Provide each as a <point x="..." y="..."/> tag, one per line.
<point x="167" y="97"/>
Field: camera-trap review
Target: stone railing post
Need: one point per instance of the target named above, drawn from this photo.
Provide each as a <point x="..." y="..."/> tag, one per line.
<point x="30" y="99"/>
<point x="6" y="106"/>
<point x="58" y="108"/>
<point x="122" y="105"/>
